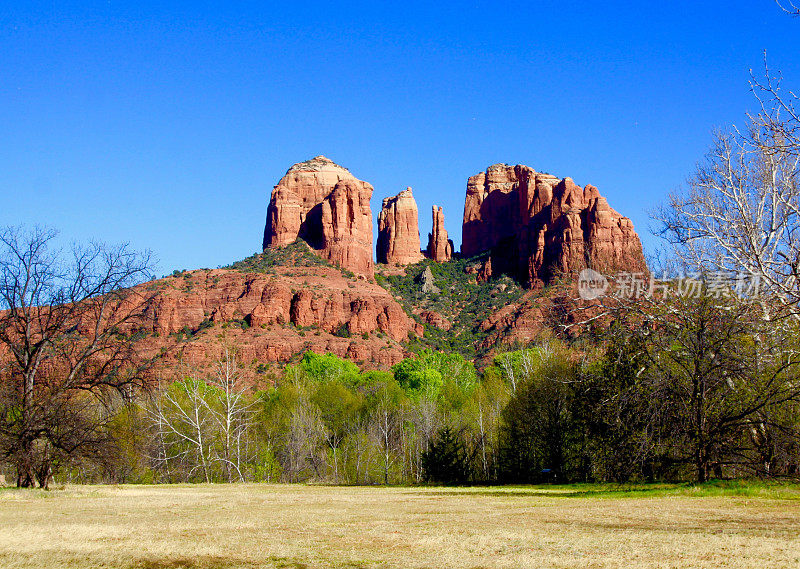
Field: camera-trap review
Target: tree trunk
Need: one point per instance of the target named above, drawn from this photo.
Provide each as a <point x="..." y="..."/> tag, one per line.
<point x="26" y="477"/>
<point x="44" y="474"/>
<point x="701" y="465"/>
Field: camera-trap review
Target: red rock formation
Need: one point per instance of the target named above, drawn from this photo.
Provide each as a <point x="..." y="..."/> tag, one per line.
<point x="537" y="226"/>
<point x="294" y="310"/>
<point x="435" y="319"/>
<point x="398" y="230"/>
<point x="440" y="248"/>
<point x="327" y="207"/>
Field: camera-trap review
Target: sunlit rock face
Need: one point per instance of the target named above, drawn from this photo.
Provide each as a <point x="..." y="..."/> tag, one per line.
<point x="398" y="230"/>
<point x="326" y="206"/>
<point x="440" y="248"/>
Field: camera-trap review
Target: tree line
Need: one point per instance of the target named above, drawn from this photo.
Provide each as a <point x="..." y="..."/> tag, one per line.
<point x="695" y="399"/>
<point x="668" y="387"/>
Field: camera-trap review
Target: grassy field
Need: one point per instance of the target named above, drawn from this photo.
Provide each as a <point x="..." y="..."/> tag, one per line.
<point x="249" y="526"/>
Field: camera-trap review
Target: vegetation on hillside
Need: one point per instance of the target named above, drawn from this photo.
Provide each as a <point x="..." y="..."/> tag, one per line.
<point x="461" y="299"/>
<point x="297" y="254"/>
<point x="697" y="400"/>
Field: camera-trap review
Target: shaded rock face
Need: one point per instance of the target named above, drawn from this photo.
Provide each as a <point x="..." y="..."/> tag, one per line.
<point x="398" y="230"/>
<point x="326" y="206"/>
<point x="537" y="226"/>
<point x="440" y="248"/>
<point x="435" y="319"/>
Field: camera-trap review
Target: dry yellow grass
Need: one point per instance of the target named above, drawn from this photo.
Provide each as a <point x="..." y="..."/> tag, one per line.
<point x="249" y="526"/>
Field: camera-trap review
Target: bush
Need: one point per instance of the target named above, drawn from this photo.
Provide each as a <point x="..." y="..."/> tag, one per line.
<point x="342" y="331"/>
<point x="327" y="367"/>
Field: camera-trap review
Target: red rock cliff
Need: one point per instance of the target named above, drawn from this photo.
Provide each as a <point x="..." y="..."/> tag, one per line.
<point x="398" y="230"/>
<point x="327" y="207"/>
<point x="290" y="311"/>
<point x="537" y="226"/>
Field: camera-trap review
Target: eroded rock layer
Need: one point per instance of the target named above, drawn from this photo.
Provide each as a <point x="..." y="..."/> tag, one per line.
<point x="272" y="317"/>
<point x="537" y="226"/>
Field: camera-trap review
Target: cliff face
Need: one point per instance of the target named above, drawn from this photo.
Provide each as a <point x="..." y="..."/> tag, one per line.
<point x="286" y="301"/>
<point x="398" y="230"/>
<point x="537" y="226"/>
<point x="327" y="207"/>
<point x="271" y="317"/>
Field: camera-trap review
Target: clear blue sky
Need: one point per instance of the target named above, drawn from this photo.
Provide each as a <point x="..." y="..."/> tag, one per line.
<point x="168" y="126"/>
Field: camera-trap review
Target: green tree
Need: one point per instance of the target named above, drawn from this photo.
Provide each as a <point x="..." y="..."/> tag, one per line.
<point x="446" y="460"/>
<point x="719" y="368"/>
<point x="340" y="409"/>
<point x="614" y="405"/>
<point x="537" y="434"/>
<point x="328" y="367"/>
<point x="424" y="374"/>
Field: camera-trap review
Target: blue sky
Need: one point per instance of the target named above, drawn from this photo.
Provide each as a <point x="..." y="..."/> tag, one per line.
<point x="168" y="126"/>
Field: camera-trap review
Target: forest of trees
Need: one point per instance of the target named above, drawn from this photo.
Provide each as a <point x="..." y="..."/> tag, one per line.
<point x="700" y="399"/>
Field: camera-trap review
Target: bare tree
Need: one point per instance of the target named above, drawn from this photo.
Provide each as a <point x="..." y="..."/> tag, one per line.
<point x="741" y="213"/>
<point x="789" y="7"/>
<point x="305" y="438"/>
<point x="488" y="410"/>
<point x="185" y="425"/>
<point x="506" y="361"/>
<point x="420" y="423"/>
<point x="233" y="414"/>
<point x="205" y="424"/>
<point x="357" y="443"/>
<point x="385" y="433"/>
<point x="68" y="327"/>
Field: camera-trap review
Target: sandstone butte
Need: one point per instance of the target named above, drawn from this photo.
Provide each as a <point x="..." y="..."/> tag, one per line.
<point x="326" y="206"/>
<point x="398" y="230"/>
<point x="537" y="226"/>
<point x="440" y="248"/>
